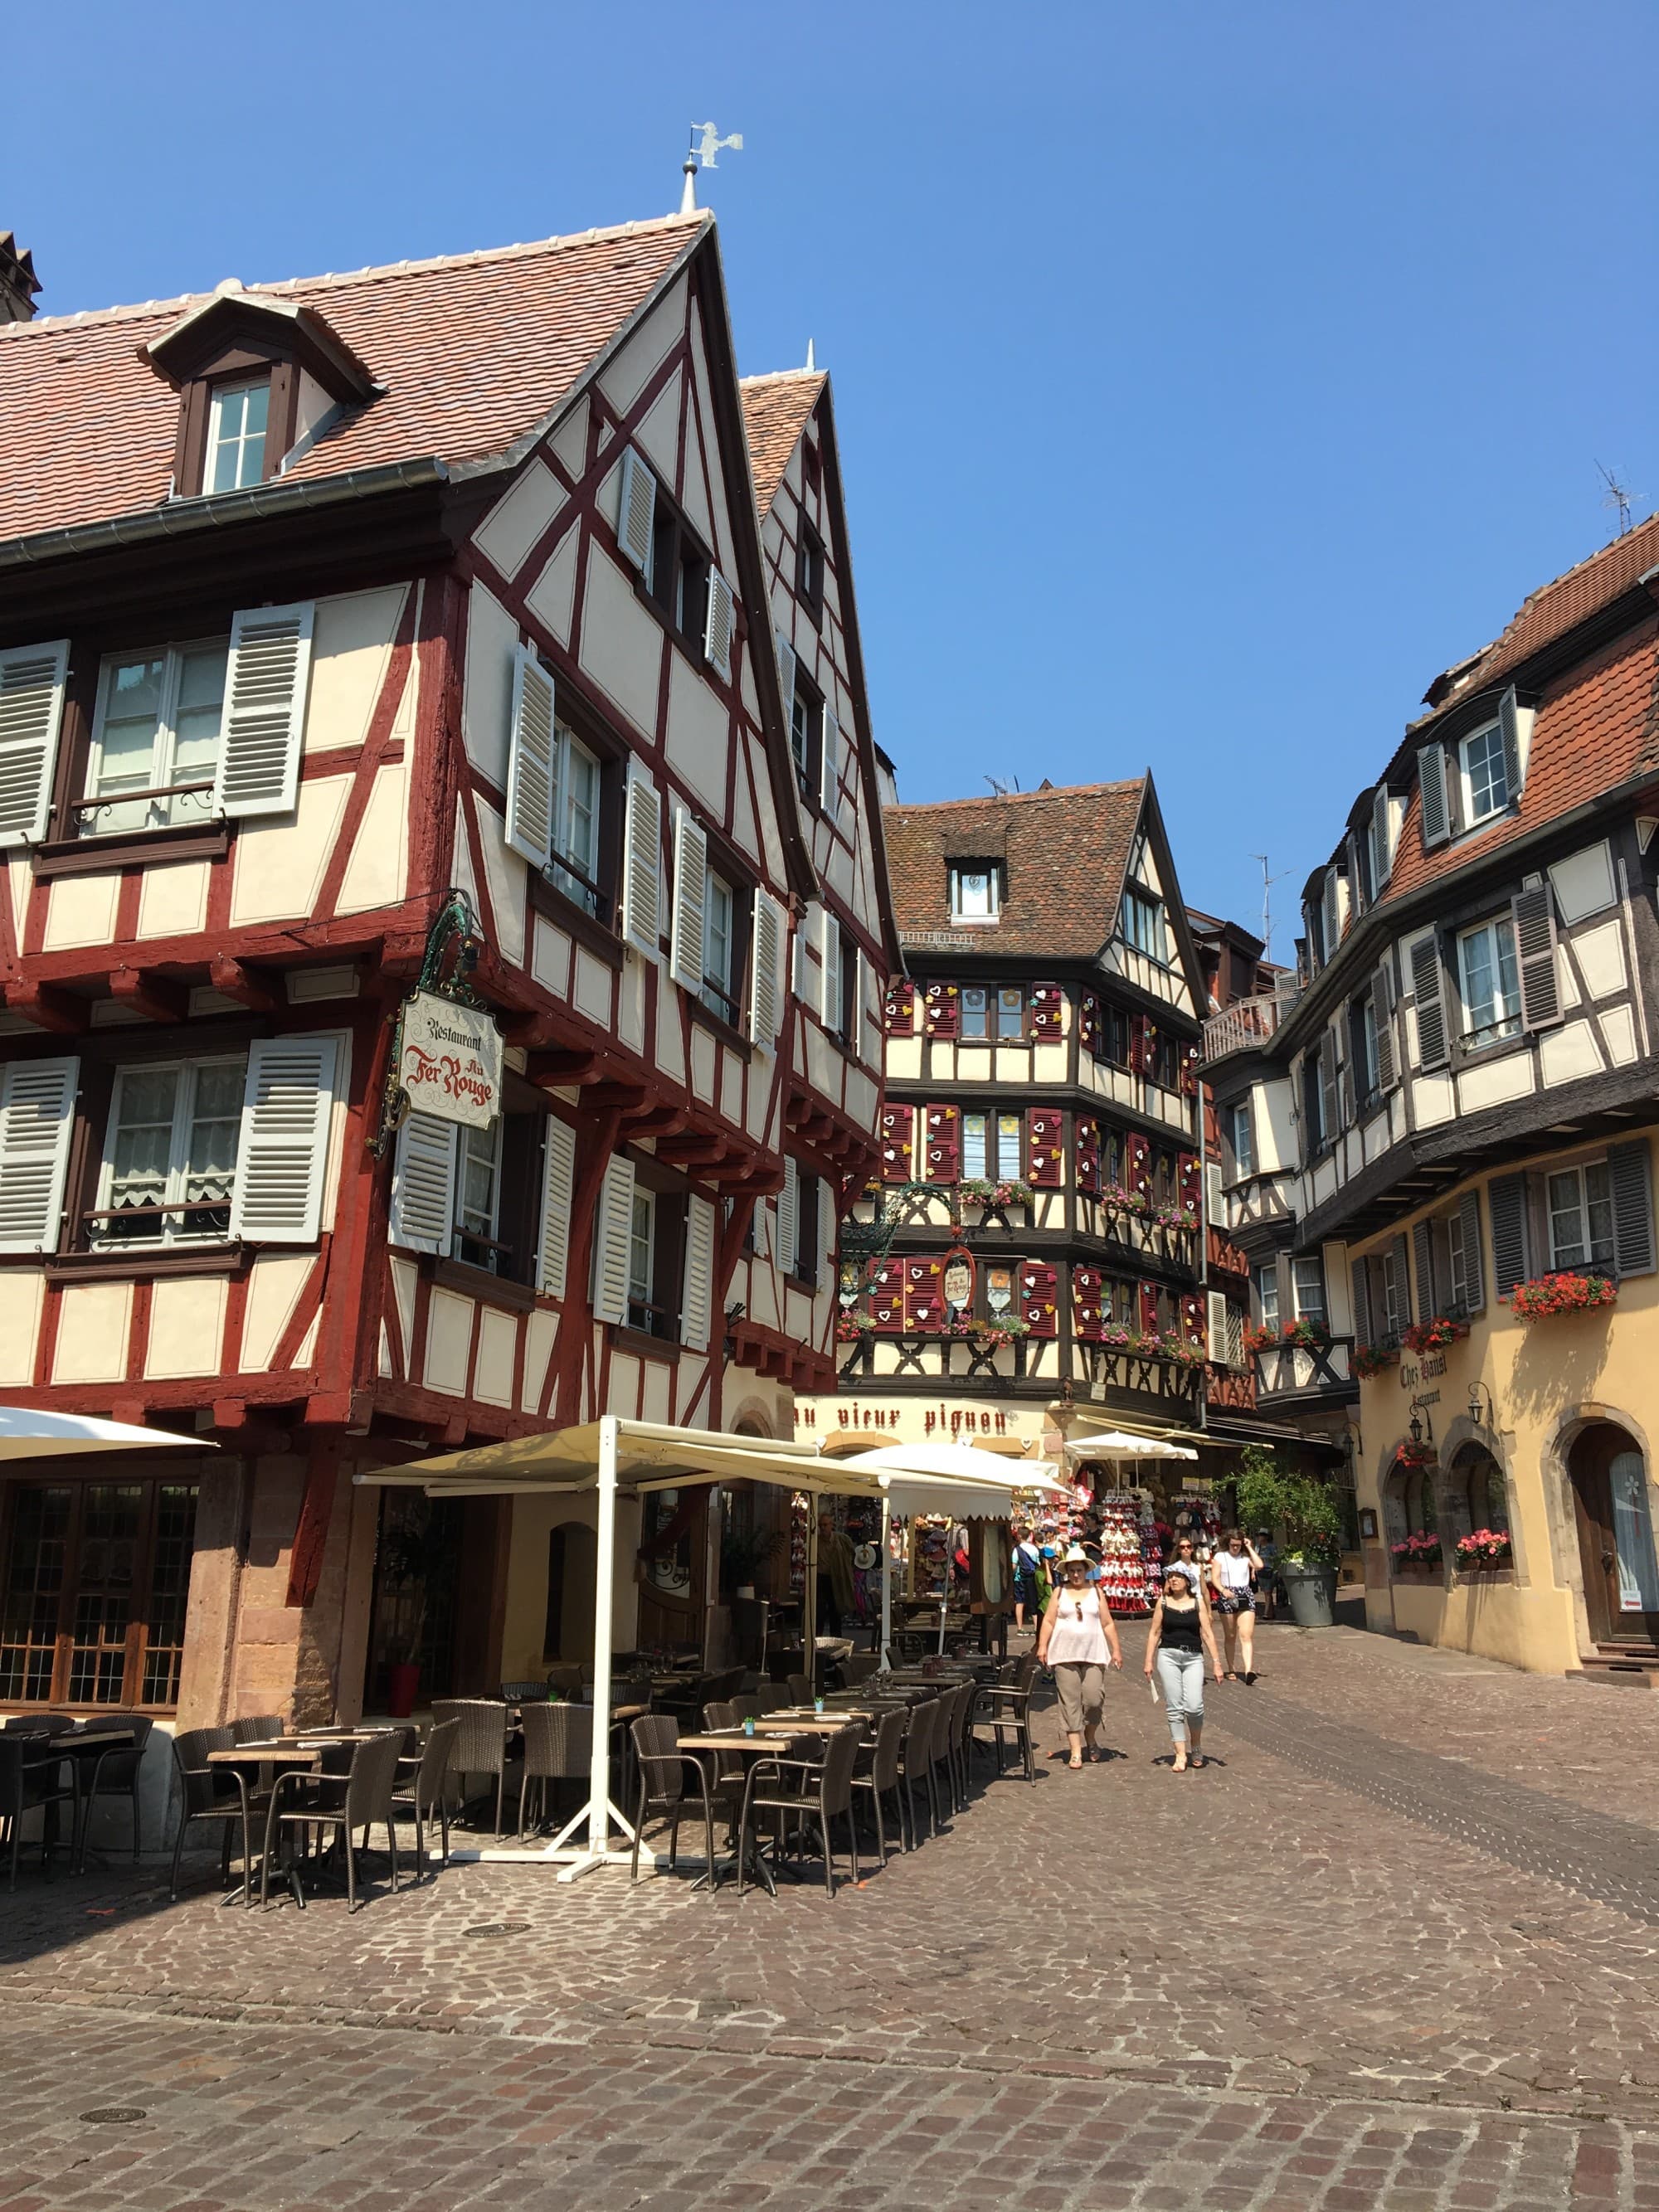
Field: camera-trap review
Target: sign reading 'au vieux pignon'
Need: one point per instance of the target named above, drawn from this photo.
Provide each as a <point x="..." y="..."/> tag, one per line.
<point x="450" y="1063"/>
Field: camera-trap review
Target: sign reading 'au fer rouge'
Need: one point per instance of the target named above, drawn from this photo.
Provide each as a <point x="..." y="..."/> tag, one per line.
<point x="450" y="1061"/>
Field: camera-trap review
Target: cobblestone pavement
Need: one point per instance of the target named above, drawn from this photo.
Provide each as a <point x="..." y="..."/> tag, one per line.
<point x="1398" y="1946"/>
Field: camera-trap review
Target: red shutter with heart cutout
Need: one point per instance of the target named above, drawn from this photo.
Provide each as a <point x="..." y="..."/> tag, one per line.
<point x="1039" y="1296"/>
<point x="1045" y="1153"/>
<point x="887" y="1296"/>
<point x="1187" y="1180"/>
<point x="943" y="1141"/>
<point x="1138" y="1166"/>
<point x="1048" y="1001"/>
<point x="1087" y="1316"/>
<point x="897" y="1136"/>
<point x="1139" y="1034"/>
<point x="1189" y="1072"/>
<point x="1088" y="1022"/>
<point x="898" y="1007"/>
<point x="1191" y="1318"/>
<point x="941" y="1010"/>
<point x="1147" y="1307"/>
<point x="1088" y="1156"/>
<point x="924" y="1296"/>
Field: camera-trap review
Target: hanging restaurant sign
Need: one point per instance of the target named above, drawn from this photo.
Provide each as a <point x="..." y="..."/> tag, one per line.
<point x="449" y="1060"/>
<point x="958" y="1279"/>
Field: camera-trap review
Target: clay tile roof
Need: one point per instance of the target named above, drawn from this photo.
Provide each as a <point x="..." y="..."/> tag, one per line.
<point x="1555" y="608"/>
<point x="472" y="350"/>
<point x="1066" y="854"/>
<point x="774" y="413"/>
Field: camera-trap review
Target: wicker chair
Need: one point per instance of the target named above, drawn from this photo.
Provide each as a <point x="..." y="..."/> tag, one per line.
<point x="527" y="1693"/>
<point x="213" y="1793"/>
<point x="786" y="1787"/>
<point x="27" y="1786"/>
<point x="916" y="1762"/>
<point x="800" y="1689"/>
<point x="663" y="1767"/>
<point x="964" y="1701"/>
<point x="481" y="1745"/>
<point x="421" y="1795"/>
<point x="877" y="1772"/>
<point x="773" y="1696"/>
<point x="117" y="1771"/>
<point x="746" y="1706"/>
<point x="362" y="1798"/>
<point x="1009" y="1713"/>
<point x="943" y="1748"/>
<point x="256" y="1728"/>
<point x="558" y="1747"/>
<point x="858" y="1666"/>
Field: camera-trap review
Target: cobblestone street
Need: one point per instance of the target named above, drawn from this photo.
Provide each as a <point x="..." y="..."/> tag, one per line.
<point x="1398" y="1946"/>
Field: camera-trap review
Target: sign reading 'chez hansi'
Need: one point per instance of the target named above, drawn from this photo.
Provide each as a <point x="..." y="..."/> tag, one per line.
<point x="450" y="1061"/>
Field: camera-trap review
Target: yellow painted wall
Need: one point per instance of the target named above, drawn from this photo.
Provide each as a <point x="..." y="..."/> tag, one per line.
<point x="534" y="1518"/>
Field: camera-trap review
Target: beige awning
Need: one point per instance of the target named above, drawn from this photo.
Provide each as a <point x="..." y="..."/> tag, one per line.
<point x="26" y="1433"/>
<point x="650" y="1455"/>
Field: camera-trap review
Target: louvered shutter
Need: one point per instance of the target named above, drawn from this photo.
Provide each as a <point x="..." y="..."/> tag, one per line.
<point x="1047" y="1001"/>
<point x="1434" y="796"/>
<point x="558" y="1189"/>
<point x="642" y="920"/>
<point x="686" y="921"/>
<point x="718" y="625"/>
<point x="1088" y="1156"/>
<point x="1146" y="1309"/>
<point x="1630" y="1174"/>
<point x="887" y="1296"/>
<point x="1506" y="1199"/>
<point x="1086" y="1318"/>
<point x="766" y="979"/>
<point x="1189" y="1064"/>
<point x="1039" y="1291"/>
<point x="1187" y="1180"/>
<point x="1533" y="911"/>
<point x="944" y="1144"/>
<point x="1381" y="858"/>
<point x="1139" y="1026"/>
<point x="829" y="969"/>
<point x="1469" y="1214"/>
<point x="1089" y="1023"/>
<point x="1382" y="1008"/>
<point x="37" y="1121"/>
<point x="1358" y="899"/>
<point x="855" y="1001"/>
<point x="1045" y="1152"/>
<point x="531" y="767"/>
<point x="1402" y="1280"/>
<point x="1330" y="1101"/>
<point x="282" y="1151"/>
<point x="422" y="1218"/>
<point x="1217" y="1346"/>
<point x="941" y="1010"/>
<point x="1193" y="1323"/>
<point x="1138" y="1165"/>
<point x="1423" y="1256"/>
<point x="789" y="1218"/>
<point x="1509" y="723"/>
<point x="786" y="685"/>
<point x="827" y="1226"/>
<point x="829" y="768"/>
<point x="696" y="1296"/>
<point x="636" y="513"/>
<point x="1360" y="1276"/>
<point x="1332" y="908"/>
<point x="898" y="1007"/>
<point x="613" y="1229"/>
<point x="264" y="714"/>
<point x="1431" y="1004"/>
<point x="31" y="715"/>
<point x="897" y="1134"/>
<point x="924" y="1296"/>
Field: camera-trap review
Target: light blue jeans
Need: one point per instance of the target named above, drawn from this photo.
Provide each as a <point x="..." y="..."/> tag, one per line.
<point x="1180" y="1678"/>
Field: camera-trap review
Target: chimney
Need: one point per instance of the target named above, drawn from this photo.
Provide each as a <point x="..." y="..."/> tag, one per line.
<point x="18" y="281"/>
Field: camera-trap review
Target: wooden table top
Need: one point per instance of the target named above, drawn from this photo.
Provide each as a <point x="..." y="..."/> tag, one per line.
<point x="288" y="1752"/>
<point x="727" y="1740"/>
<point x="91" y="1739"/>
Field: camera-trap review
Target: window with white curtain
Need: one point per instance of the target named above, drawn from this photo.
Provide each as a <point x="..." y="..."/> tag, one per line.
<point x="156" y="726"/>
<point x="1491" y="982"/>
<point x="170" y="1154"/>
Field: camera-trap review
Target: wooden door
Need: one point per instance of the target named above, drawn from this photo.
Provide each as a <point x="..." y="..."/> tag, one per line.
<point x="1615" y="1539"/>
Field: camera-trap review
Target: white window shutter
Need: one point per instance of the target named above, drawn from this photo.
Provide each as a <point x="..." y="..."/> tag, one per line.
<point x="532" y="768"/>
<point x="786" y="680"/>
<point x="611" y="1233"/>
<point x="687" y="922"/>
<point x="697" y="1291"/>
<point x="266" y="686"/>
<point x="855" y="1041"/>
<point x="1436" y="802"/>
<point x="1381" y="858"/>
<point x="642" y="873"/>
<point x="829" y="971"/>
<point x="718" y="626"/>
<point x="1215" y="1194"/>
<point x="1333" y="914"/>
<point x="422" y="1217"/>
<point x="763" y="1228"/>
<point x="788" y="1236"/>
<point x="31" y="714"/>
<point x="281" y="1155"/>
<point x="1217" y="1328"/>
<point x="636" y="514"/>
<point x="827" y="1253"/>
<point x="765" y="987"/>
<point x="558" y="1188"/>
<point x="37" y="1119"/>
<point x="830" y="780"/>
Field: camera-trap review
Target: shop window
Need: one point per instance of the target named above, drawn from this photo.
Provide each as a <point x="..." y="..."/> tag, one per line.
<point x="1476" y="1495"/>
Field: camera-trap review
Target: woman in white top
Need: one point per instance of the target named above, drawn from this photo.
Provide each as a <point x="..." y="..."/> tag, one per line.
<point x="1079" y="1640"/>
<point x="1231" y="1569"/>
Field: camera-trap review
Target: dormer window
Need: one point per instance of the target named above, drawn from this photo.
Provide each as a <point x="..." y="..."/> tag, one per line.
<point x="237" y="424"/>
<point x="1485" y="781"/>
<point x="975" y="890"/>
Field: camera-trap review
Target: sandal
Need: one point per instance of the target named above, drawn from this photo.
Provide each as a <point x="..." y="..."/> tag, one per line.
<point x="1074" y="1765"/>
<point x="1196" y="1762"/>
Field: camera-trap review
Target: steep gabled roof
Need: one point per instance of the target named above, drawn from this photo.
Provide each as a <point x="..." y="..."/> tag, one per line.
<point x="473" y="351"/>
<point x="775" y="410"/>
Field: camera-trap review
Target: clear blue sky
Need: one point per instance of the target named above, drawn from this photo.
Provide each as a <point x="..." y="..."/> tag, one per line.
<point x="1209" y="376"/>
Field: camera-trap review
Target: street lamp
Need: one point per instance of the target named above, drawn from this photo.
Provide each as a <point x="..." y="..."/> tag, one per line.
<point x="1491" y="1418"/>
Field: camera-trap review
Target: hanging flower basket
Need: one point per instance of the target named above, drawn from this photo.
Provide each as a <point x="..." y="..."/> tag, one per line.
<point x="1310" y="1335"/>
<point x="1371" y="1359"/>
<point x="1485" y="1551"/>
<point x="850" y="1326"/>
<point x="1259" y="1340"/>
<point x="1567" y="1292"/>
<point x="1418" y="1551"/>
<point x="1414" y="1454"/>
<point x="1433" y="1335"/>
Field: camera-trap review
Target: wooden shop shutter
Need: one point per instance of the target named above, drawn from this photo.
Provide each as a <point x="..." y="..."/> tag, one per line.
<point x="1359" y="1275"/>
<point x="686" y="917"/>
<point x="1533" y="911"/>
<point x="1039" y="1291"/>
<point x="944" y="1144"/>
<point x="37" y="1121"/>
<point x="1044" y="1151"/>
<point x="1088" y="1156"/>
<point x="1423" y="1259"/>
<point x="641" y="921"/>
<point x="766" y="986"/>
<point x="613" y="1229"/>
<point x="1216" y="1348"/>
<point x="898" y="1007"/>
<point x="636" y="513"/>
<point x="941" y="1010"/>
<point x="1468" y="1213"/>
<point x="1187" y="1179"/>
<point x="281" y="1155"/>
<point x="532" y="768"/>
<point x="558" y="1188"/>
<point x="1088" y="1021"/>
<point x="718" y="626"/>
<point x="1086" y="1317"/>
<point x="1047" y="1001"/>
<point x="32" y="679"/>
<point x="1630" y="1172"/>
<point x="897" y="1137"/>
<point x="1147" y="1307"/>
<point x="422" y="1217"/>
<point x="887" y="1296"/>
<point x="1427" y="990"/>
<point x="1434" y="795"/>
<point x="1506" y="1202"/>
<point x="924" y="1298"/>
<point x="1383" y="1007"/>
<point x="265" y="684"/>
<point x="697" y="1291"/>
<point x="1138" y="1165"/>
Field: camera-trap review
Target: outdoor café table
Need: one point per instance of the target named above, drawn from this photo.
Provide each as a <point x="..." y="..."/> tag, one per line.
<point x="286" y="1756"/>
<point x="82" y="1748"/>
<point x="751" y="1746"/>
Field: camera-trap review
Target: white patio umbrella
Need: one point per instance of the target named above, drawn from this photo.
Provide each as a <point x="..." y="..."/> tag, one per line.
<point x="1118" y="1443"/>
<point x="28" y="1433"/>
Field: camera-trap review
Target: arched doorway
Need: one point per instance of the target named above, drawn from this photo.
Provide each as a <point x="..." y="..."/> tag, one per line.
<point x="573" y="1561"/>
<point x="1477" y="1497"/>
<point x="1615" y="1536"/>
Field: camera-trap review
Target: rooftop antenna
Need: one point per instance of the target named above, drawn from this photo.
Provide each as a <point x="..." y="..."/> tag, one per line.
<point x="1267" y="883"/>
<point x="1616" y="497"/>
<point x="1001" y="790"/>
<point x="706" y="143"/>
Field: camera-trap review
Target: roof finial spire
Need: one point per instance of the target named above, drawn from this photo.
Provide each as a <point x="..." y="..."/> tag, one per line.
<point x="688" y="196"/>
<point x="812" y="361"/>
<point x="706" y="143"/>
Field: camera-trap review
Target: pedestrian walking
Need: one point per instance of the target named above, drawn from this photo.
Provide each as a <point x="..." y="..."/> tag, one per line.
<point x="1185" y="1554"/>
<point x="1027" y="1562"/>
<point x="1177" y="1641"/>
<point x="1079" y="1640"/>
<point x="1230" y="1570"/>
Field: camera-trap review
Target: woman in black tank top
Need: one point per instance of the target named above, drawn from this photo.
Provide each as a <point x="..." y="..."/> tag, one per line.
<point x="1176" y="1642"/>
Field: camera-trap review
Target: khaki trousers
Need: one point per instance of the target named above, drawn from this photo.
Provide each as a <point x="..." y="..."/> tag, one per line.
<point x="1082" y="1691"/>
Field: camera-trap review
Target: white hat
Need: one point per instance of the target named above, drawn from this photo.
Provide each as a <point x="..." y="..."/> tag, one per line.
<point x="1077" y="1557"/>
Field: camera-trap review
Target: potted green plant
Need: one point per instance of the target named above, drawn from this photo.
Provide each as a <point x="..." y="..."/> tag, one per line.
<point x="1303" y="1508"/>
<point x="744" y="1552"/>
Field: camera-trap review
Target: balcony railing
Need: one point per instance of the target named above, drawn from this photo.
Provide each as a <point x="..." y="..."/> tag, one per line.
<point x="1301" y="1370"/>
<point x="1251" y="1022"/>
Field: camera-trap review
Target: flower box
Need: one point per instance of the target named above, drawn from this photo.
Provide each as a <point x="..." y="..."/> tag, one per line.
<point x="1484" y="1552"/>
<point x="976" y="1191"/>
<point x="1433" y="1335"/>
<point x="1370" y="1360"/>
<point x="1569" y="1291"/>
<point x="1419" y="1553"/>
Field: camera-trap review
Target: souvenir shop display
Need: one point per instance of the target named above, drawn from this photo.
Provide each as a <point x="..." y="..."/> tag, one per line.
<point x="1131" y="1557"/>
<point x="800" y="1521"/>
<point x="1193" y="1513"/>
<point x="930" y="1558"/>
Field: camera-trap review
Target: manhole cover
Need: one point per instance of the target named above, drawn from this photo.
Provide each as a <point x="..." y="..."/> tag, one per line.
<point x="113" y="2114"/>
<point x="498" y="1928"/>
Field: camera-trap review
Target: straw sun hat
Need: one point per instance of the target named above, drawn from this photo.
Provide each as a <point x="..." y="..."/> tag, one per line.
<point x="1077" y="1557"/>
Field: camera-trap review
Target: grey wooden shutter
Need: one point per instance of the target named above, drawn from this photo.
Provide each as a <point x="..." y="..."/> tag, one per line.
<point x="558" y="1189"/>
<point x="766" y="981"/>
<point x="786" y="685"/>
<point x="1474" y="1288"/>
<point x="1509" y="723"/>
<point x="1381" y="858"/>
<point x="718" y="626"/>
<point x="830" y="775"/>
<point x="1333" y="914"/>
<point x="1533" y="911"/>
<point x="1402" y="1280"/>
<point x="788" y="1233"/>
<point x="1312" y="929"/>
<point x="613" y="1229"/>
<point x="1423" y="1254"/>
<point x="37" y="1121"/>
<point x="1630" y="1174"/>
<point x="422" y="1218"/>
<point x="265" y="685"/>
<point x="1382" y="1010"/>
<point x="1360" y="1277"/>
<point x="1426" y="989"/>
<point x="686" y="927"/>
<point x="696" y="1298"/>
<point x="1506" y="1198"/>
<point x="1330" y="1104"/>
<point x="281" y="1154"/>
<point x="1436" y="805"/>
<point x="641" y="921"/>
<point x="636" y="514"/>
<point x="32" y="679"/>
<point x="1357" y="888"/>
<point x="531" y="767"/>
